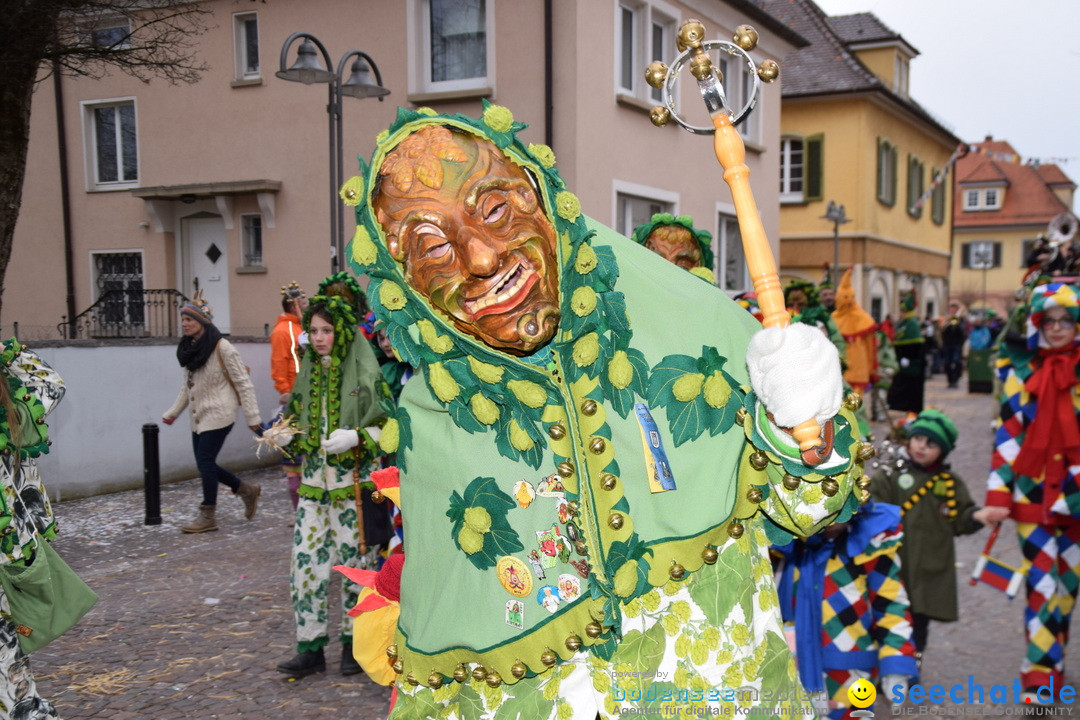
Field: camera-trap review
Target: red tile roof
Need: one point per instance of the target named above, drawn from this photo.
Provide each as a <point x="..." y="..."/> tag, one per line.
<point x="1029" y="198"/>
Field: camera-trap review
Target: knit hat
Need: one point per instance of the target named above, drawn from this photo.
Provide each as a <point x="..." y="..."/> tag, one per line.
<point x="198" y="309"/>
<point x="907" y="301"/>
<point x="937" y="426"/>
<point x="703" y="238"/>
<point x="1044" y="297"/>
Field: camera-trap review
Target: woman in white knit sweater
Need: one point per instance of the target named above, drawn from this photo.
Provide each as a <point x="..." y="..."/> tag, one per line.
<point x="215" y="384"/>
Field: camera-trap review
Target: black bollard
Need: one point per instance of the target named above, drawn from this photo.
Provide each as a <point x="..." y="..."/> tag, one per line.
<point x="151" y="474"/>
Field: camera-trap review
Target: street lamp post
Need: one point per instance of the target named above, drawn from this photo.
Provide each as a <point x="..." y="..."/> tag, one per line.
<point x="836" y="213"/>
<point x="307" y="69"/>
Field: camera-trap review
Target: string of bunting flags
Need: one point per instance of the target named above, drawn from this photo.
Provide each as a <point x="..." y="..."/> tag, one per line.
<point x="963" y="149"/>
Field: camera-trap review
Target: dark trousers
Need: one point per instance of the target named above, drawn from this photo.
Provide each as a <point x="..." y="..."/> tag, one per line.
<point x="207" y="446"/>
<point x="954" y="367"/>
<point x="920" y="629"/>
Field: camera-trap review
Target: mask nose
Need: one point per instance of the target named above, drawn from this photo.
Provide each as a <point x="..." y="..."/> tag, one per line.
<point x="482" y="258"/>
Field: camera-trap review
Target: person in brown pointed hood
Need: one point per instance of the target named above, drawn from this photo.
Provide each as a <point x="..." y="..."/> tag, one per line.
<point x="857" y="327"/>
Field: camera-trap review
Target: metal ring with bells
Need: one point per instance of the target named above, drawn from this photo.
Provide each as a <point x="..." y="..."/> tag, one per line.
<point x="712" y="89"/>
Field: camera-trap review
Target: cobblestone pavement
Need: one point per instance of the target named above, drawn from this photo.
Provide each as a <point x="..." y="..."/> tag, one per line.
<point x="191" y="626"/>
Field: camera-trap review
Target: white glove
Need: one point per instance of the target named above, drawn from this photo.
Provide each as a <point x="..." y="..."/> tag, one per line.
<point x="340" y="441"/>
<point x="375" y="432"/>
<point x="795" y="371"/>
<point x="280" y="437"/>
<point x="890" y="681"/>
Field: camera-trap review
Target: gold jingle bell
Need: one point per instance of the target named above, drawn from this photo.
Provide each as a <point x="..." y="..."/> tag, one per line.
<point x="607" y="481"/>
<point x="565" y="469"/>
<point x="597" y="446"/>
<point x="863" y="483"/>
<point x="755" y="495"/>
<point x="518" y="670"/>
<point x="759" y="460"/>
<point x="377" y="496"/>
<point x="573" y="643"/>
<point x="494" y="679"/>
<point x="434" y="681"/>
<point x="411" y="679"/>
<point x="557" y="432"/>
<point x="479" y="673"/>
<point x="740" y="416"/>
<point x="830" y="487"/>
<point x="701" y="66"/>
<point x="391" y="651"/>
<point x="745" y="37"/>
<point x="710" y="555"/>
<point x="655" y="74"/>
<point x="398" y="666"/>
<point x="864" y="497"/>
<point x="768" y="71"/>
<point x="690" y="35"/>
<point x="791" y="482"/>
<point x="549" y="658"/>
<point x="615" y="520"/>
<point x="866" y="451"/>
<point x="594" y="630"/>
<point x="659" y="116"/>
<point x="588" y="407"/>
<point x="581" y="548"/>
<point x="461" y="674"/>
<point x="736" y="530"/>
<point x="676" y="571"/>
<point x="853" y="402"/>
<point x="573" y="507"/>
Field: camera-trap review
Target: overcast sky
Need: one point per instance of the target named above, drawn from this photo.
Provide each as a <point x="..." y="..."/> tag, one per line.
<point x="1007" y="68"/>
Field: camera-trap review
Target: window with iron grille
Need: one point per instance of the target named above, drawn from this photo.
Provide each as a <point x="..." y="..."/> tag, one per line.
<point x="118" y="281"/>
<point x="253" y="247"/>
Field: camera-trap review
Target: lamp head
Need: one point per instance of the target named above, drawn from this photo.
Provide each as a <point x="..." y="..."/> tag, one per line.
<point x="307" y="69"/>
<point x="359" y="84"/>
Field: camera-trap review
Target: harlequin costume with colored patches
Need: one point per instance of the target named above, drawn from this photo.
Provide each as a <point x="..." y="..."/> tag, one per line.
<point x="1035" y="469"/>
<point x="677" y="240"/>
<point x="849" y="606"/>
<point x="336" y="395"/>
<point x="34" y="390"/>
<point x="589" y="505"/>
<point x="936" y="507"/>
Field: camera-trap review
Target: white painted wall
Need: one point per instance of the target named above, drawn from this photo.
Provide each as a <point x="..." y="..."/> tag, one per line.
<point x="112" y="391"/>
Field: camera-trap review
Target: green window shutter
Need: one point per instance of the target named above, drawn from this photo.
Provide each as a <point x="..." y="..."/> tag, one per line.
<point x="937" y="198"/>
<point x="965" y="255"/>
<point x="892" y="184"/>
<point x="814" y="146"/>
<point x="880" y="172"/>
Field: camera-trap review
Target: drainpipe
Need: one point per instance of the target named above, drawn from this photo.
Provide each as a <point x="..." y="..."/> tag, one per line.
<point x="65" y="197"/>
<point x="549" y="102"/>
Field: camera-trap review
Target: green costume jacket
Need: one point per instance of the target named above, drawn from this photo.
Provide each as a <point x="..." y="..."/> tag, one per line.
<point x="540" y="495"/>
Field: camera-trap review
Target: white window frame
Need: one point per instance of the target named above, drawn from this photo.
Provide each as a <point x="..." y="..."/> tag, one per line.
<point x="418" y="21"/>
<point x="727" y="211"/>
<point x="976" y="199"/>
<point x="108" y="23"/>
<point x="971" y="199"/>
<point x="645" y="15"/>
<point x="640" y="192"/>
<point x="788" y="194"/>
<point x="994" y="204"/>
<point x="240" y="21"/>
<point x="90" y="145"/>
<point x="245" y="241"/>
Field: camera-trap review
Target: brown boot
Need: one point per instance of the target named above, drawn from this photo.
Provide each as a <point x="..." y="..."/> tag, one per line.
<point x="203" y="522"/>
<point x="250" y="495"/>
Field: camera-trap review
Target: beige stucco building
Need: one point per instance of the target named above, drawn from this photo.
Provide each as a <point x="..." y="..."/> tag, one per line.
<point x="225" y="182"/>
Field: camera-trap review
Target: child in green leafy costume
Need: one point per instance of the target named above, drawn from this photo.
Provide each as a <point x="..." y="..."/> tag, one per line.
<point x="592" y="484"/>
<point x="335" y="403"/>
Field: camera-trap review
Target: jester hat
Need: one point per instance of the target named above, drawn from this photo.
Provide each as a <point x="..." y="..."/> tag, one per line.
<point x="1044" y="297"/>
<point x="703" y="238"/>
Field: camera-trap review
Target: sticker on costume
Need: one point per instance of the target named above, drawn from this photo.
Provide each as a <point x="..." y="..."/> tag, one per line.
<point x="553" y="545"/>
<point x="514" y="576"/>
<point x="551" y="486"/>
<point x="572" y="532"/>
<point x="515" y="614"/>
<point x="524" y="493"/>
<point x="569" y="587"/>
<point x="537" y="565"/>
<point x="940" y="488"/>
<point x="582" y="567"/>
<point x="657" y="467"/>
<point x="548" y="596"/>
<point x="906" y="481"/>
<point x="562" y="509"/>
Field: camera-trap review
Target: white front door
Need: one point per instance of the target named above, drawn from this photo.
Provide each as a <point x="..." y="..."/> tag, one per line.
<point x="206" y="265"/>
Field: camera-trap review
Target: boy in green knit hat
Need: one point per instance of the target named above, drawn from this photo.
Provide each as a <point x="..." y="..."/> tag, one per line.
<point x="935" y="506"/>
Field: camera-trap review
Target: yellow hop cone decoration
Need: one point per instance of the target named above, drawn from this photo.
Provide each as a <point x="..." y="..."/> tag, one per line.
<point x="390" y="437"/>
<point x="352" y="192"/>
<point x="478" y="519"/>
<point x="567" y="205"/>
<point x="717" y="391"/>
<point x="528" y="392"/>
<point x="435" y="341"/>
<point x="583" y="301"/>
<point x="363" y="250"/>
<point x="586" y="350"/>
<point x="491" y="374"/>
<point x="586" y="259"/>
<point x="704" y="273"/>
<point x="498" y="118"/>
<point x="626" y="578"/>
<point x="519" y="438"/>
<point x="688" y="387"/>
<point x="442" y="382"/>
<point x="484" y="409"/>
<point x="391" y="295"/>
<point x="470" y="540"/>
<point x="619" y="371"/>
<point x="543" y="153"/>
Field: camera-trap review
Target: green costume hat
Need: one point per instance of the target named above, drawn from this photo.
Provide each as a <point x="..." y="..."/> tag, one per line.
<point x="937" y="426"/>
<point x="827" y="282"/>
<point x="907" y="301"/>
<point x="703" y="238"/>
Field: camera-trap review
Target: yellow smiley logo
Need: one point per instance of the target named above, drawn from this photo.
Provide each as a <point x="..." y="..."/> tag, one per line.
<point x="862" y="693"/>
